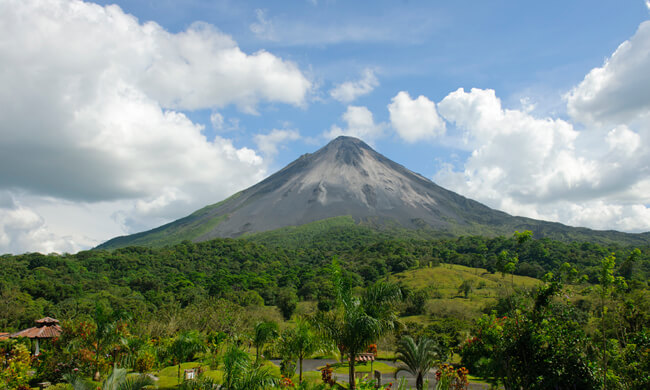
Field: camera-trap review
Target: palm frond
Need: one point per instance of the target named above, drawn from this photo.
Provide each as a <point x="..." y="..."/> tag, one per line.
<point x="136" y="383"/>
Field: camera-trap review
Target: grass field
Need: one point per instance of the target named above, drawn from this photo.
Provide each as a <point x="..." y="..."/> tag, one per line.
<point x="442" y="286"/>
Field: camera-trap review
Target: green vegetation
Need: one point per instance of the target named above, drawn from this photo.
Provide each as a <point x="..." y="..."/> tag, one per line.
<point x="417" y="358"/>
<point x="517" y="311"/>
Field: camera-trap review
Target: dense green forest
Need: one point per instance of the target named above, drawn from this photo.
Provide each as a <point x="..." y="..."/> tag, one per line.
<point x="583" y="321"/>
<point x="261" y="271"/>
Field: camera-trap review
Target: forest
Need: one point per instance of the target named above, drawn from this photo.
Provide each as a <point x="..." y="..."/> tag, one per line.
<point x="515" y="312"/>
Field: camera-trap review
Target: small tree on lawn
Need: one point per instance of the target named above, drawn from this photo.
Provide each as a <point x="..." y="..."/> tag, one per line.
<point x="265" y="331"/>
<point x="417" y="358"/>
<point x="184" y="347"/>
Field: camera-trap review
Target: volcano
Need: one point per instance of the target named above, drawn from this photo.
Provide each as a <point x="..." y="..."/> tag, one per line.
<point x="348" y="178"/>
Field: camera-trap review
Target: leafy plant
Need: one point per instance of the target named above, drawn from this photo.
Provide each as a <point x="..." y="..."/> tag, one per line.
<point x="417" y="358"/>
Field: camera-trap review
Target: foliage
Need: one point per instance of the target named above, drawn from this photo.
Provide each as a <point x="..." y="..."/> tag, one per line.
<point x="326" y="375"/>
<point x="15" y="371"/>
<point x="357" y="323"/>
<point x="116" y="380"/>
<point x="201" y="383"/>
<point x="216" y="289"/>
<point x="240" y="373"/>
<point x="539" y="347"/>
<point x="417" y="358"/>
<point x="300" y="342"/>
<point x="184" y="347"/>
<point x="265" y="331"/>
<point x="450" y="378"/>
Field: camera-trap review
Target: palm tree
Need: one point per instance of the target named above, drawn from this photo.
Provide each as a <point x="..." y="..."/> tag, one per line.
<point x="265" y="331"/>
<point x="302" y="342"/>
<point x="417" y="358"/>
<point x="357" y="323"/>
<point x="239" y="373"/>
<point x="117" y="380"/>
<point x="106" y="333"/>
<point x="184" y="347"/>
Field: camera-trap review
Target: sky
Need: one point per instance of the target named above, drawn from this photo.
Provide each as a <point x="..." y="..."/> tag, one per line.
<point x="118" y="117"/>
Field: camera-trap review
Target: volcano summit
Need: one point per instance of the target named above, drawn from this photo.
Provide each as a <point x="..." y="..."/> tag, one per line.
<point x="348" y="178"/>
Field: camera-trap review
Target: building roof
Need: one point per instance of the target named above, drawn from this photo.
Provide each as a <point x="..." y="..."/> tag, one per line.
<point x="46" y="328"/>
<point x="47" y="320"/>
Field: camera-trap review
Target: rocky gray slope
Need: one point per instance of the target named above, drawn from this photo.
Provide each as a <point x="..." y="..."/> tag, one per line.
<point x="347" y="178"/>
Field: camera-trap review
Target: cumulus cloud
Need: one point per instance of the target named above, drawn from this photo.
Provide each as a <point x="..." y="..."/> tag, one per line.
<point x="270" y="142"/>
<point x="544" y="168"/>
<point x="23" y="229"/>
<point x="359" y="123"/>
<point x="90" y="102"/>
<point x="616" y="92"/>
<point x="351" y="90"/>
<point x="415" y="119"/>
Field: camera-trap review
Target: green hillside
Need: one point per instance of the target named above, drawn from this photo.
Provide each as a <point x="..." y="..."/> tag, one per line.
<point x="441" y="284"/>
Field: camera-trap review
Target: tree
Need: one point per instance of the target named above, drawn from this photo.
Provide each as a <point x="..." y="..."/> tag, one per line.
<point x="540" y="345"/>
<point x="184" y="347"/>
<point x="606" y="285"/>
<point x="303" y="342"/>
<point x="265" y="331"/>
<point x="107" y="332"/>
<point x="627" y="267"/>
<point x="466" y="287"/>
<point x="287" y="301"/>
<point x="357" y="323"/>
<point x="417" y="358"/>
<point x="239" y="373"/>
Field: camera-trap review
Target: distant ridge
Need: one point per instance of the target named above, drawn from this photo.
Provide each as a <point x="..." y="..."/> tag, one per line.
<point x="348" y="178"/>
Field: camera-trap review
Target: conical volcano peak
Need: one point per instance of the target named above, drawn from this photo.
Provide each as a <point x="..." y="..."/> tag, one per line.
<point x="345" y="150"/>
<point x="347" y="141"/>
<point x="347" y="178"/>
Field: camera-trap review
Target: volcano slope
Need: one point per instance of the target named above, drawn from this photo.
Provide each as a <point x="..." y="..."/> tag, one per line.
<point x="348" y="178"/>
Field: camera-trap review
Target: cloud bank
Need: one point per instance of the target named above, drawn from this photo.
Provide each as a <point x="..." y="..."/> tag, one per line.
<point x="90" y="106"/>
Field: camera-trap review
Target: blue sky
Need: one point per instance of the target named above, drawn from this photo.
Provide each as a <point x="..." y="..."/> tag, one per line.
<point x="121" y="116"/>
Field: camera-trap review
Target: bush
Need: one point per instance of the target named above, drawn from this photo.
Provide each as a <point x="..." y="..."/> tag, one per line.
<point x="61" y="386"/>
<point x="145" y="362"/>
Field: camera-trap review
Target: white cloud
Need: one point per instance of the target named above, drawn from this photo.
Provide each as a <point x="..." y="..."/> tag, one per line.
<point x="544" y="168"/>
<point x="359" y="123"/>
<point x="351" y="90"/>
<point x="647" y="4"/>
<point x="415" y="119"/>
<point x="88" y="103"/>
<point x="22" y="229"/>
<point x="268" y="143"/>
<point x="617" y="92"/>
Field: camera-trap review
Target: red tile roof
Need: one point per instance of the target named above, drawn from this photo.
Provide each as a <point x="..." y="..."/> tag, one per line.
<point x="46" y="328"/>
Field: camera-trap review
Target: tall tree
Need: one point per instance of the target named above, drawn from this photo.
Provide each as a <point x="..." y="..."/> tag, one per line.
<point x="607" y="282"/>
<point x="358" y="322"/>
<point x="303" y="342"/>
<point x="106" y="333"/>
